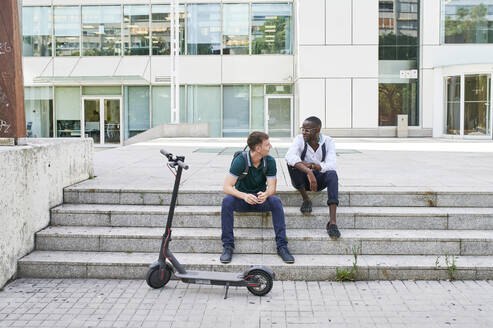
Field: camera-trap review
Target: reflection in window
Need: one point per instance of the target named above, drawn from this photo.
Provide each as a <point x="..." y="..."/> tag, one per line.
<point x="161" y="29"/>
<point x="67" y="111"/>
<point x="136" y="30"/>
<point x="136" y="110"/>
<point x="476" y="105"/>
<point x="36" y="31"/>
<point x="272" y="28"/>
<point x="101" y="30"/>
<point x="453" y="105"/>
<point x="257" y="120"/>
<point x="161" y="105"/>
<point x="398" y="61"/>
<point x="236" y="111"/>
<point x="204" y="105"/>
<point x="204" y="29"/>
<point x="67" y="31"/>
<point x="468" y="21"/>
<point x="235" y="29"/>
<point x="38" y="103"/>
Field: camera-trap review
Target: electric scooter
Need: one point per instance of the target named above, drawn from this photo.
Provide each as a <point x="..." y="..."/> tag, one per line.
<point x="257" y="279"/>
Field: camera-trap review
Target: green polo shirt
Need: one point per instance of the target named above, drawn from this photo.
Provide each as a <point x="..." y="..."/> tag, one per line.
<point x="255" y="181"/>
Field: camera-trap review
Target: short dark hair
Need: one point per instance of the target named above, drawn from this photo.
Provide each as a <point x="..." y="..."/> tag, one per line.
<point x="315" y="120"/>
<point x="255" y="138"/>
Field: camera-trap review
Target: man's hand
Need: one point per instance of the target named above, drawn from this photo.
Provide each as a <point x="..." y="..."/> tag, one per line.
<point x="312" y="166"/>
<point x="261" y="197"/>
<point x="250" y="199"/>
<point x="312" y="180"/>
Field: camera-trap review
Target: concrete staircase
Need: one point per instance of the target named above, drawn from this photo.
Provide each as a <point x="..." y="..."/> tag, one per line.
<point x="403" y="234"/>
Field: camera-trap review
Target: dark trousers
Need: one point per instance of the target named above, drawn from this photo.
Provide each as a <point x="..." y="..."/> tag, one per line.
<point x="232" y="204"/>
<point x="328" y="180"/>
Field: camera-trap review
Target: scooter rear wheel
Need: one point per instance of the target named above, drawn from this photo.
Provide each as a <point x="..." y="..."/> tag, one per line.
<point x="157" y="278"/>
<point x="264" y="281"/>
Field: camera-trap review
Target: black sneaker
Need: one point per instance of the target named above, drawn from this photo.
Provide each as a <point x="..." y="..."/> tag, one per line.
<point x="333" y="231"/>
<point x="227" y="254"/>
<point x="284" y="253"/>
<point x="306" y="207"/>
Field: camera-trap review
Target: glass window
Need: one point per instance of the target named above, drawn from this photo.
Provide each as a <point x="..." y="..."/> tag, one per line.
<point x="36" y="31"/>
<point x="272" y="89"/>
<point x="67" y="31"/>
<point x="38" y="103"/>
<point x="106" y="90"/>
<point x="161" y="105"/>
<point x="257" y="123"/>
<point x="467" y="21"/>
<point x="453" y="105"/>
<point x="236" y="111"/>
<point x="235" y="29"/>
<point x="161" y="30"/>
<point x="204" y="105"/>
<point x="204" y="29"/>
<point x="398" y="61"/>
<point x="101" y="30"/>
<point x="67" y="111"/>
<point x="136" y="30"/>
<point x="476" y="105"/>
<point x="136" y="110"/>
<point x="272" y="29"/>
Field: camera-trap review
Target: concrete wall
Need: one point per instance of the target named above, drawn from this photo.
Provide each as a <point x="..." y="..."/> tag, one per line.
<point x="337" y="63"/>
<point x="33" y="178"/>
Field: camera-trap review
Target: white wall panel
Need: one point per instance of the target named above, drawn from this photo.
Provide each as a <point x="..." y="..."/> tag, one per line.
<point x="35" y="66"/>
<point x="365" y="103"/>
<point x="338" y="61"/>
<point x="133" y="65"/>
<point x="430" y="27"/>
<point x="457" y="54"/>
<point x="192" y="69"/>
<point x="257" y="69"/>
<point x="338" y="103"/>
<point x="63" y="66"/>
<point x="311" y="23"/>
<point x="96" y="66"/>
<point x="338" y="21"/>
<point x="311" y="95"/>
<point x="365" y="22"/>
<point x="428" y="92"/>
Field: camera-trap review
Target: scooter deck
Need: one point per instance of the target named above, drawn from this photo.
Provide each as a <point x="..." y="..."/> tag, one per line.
<point x="211" y="275"/>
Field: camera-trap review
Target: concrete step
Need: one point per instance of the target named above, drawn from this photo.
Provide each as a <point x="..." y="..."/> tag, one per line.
<point x="261" y="241"/>
<point x="118" y="265"/>
<point x="355" y="197"/>
<point x="424" y="218"/>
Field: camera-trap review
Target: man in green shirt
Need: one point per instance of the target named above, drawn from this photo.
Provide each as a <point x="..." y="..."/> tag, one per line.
<point x="253" y="193"/>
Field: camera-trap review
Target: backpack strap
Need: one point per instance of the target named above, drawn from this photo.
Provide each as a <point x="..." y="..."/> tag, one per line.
<point x="245" y="171"/>
<point x="264" y="168"/>
<point x="303" y="153"/>
<point x="324" y="152"/>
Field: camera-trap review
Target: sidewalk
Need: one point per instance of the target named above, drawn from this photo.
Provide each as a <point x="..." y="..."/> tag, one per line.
<point x="130" y="303"/>
<point x="400" y="164"/>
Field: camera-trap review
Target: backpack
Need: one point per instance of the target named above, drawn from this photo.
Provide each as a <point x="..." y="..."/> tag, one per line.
<point x="244" y="153"/>
<point x="303" y="153"/>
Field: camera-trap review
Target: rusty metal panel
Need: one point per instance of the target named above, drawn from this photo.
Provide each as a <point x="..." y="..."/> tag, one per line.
<point x="12" y="115"/>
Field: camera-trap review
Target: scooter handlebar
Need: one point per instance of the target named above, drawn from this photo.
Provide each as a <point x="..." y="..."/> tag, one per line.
<point x="178" y="162"/>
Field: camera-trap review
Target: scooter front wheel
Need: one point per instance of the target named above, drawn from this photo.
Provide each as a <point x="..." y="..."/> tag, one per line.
<point x="259" y="282"/>
<point x="157" y="278"/>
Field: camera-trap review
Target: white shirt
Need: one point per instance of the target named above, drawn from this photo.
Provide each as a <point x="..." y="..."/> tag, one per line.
<point x="293" y="155"/>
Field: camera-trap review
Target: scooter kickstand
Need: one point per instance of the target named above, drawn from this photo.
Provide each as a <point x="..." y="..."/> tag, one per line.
<point x="226" y="293"/>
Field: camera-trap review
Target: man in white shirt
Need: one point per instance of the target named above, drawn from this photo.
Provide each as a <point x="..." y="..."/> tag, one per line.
<point x="312" y="165"/>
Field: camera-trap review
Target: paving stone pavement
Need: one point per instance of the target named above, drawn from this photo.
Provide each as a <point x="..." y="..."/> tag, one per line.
<point x="131" y="303"/>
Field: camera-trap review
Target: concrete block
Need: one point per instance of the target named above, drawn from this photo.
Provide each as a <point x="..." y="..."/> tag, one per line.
<point x="110" y="244"/>
<point x="70" y="197"/>
<point x="151" y="198"/>
<point x="132" y="198"/>
<point x="464" y="199"/>
<point x="476" y="247"/>
<point x="66" y="243"/>
<point x="140" y="220"/>
<point x="116" y="272"/>
<point x="54" y="271"/>
<point x="402" y="126"/>
<point x="470" y="221"/>
<point x="95" y="197"/>
<point x="418" y="247"/>
<point x="393" y="199"/>
<point x="80" y="219"/>
<point x="400" y="222"/>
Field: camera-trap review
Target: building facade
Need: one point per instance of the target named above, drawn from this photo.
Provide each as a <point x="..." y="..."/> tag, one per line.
<point x="102" y="68"/>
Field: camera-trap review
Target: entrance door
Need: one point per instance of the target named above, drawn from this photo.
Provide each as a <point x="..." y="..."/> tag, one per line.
<point x="102" y="117"/>
<point x="278" y="116"/>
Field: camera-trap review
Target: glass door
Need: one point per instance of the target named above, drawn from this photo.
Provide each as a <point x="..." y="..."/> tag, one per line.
<point x="102" y="117"/>
<point x="468" y="105"/>
<point x="92" y="119"/>
<point x="278" y="116"/>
